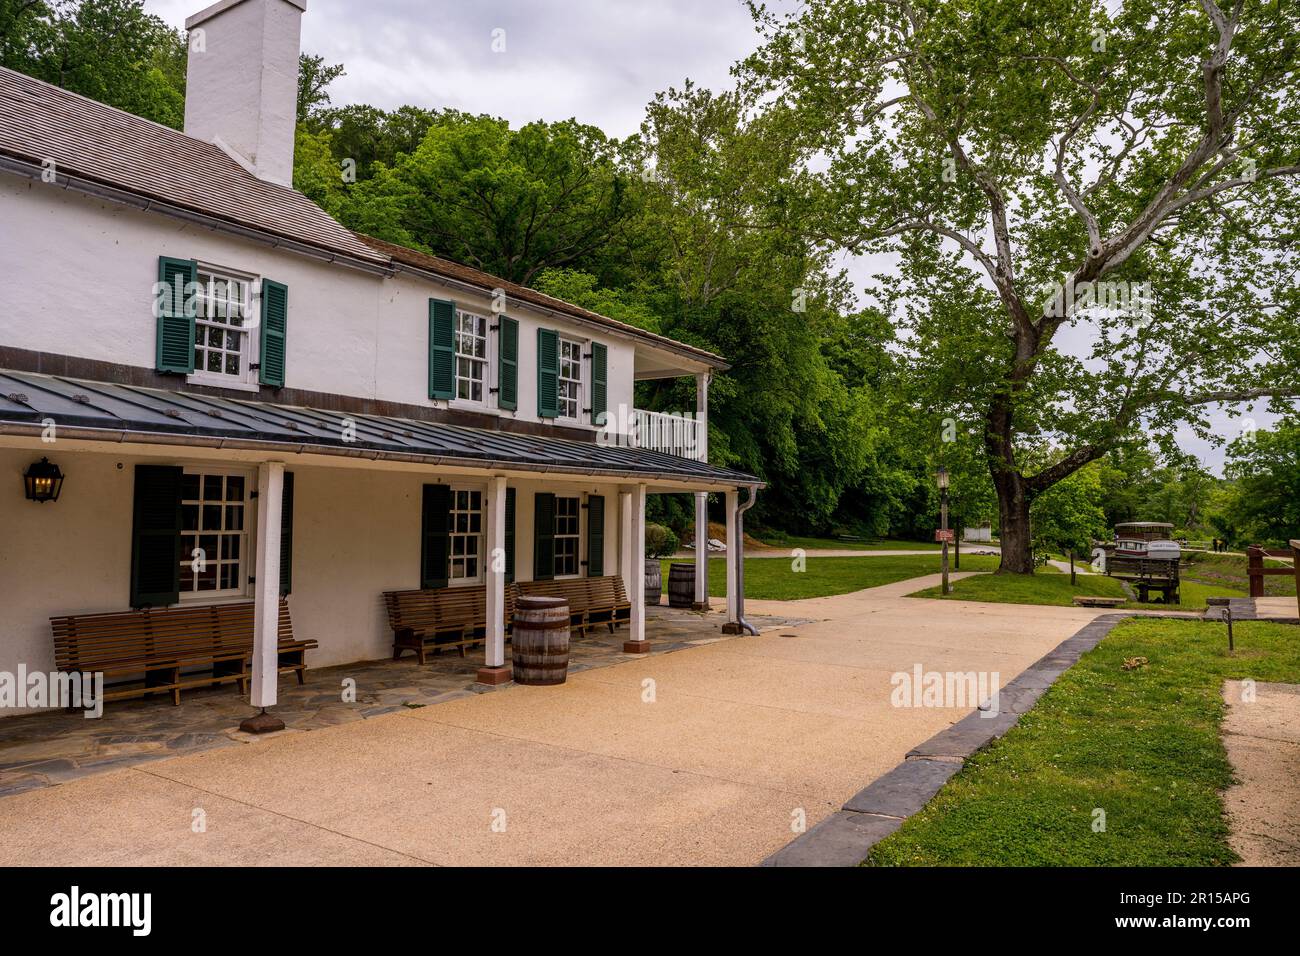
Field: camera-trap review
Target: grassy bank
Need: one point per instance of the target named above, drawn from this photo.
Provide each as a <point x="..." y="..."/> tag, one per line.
<point x="1054" y="588"/>
<point x="775" y="578"/>
<point x="1141" y="745"/>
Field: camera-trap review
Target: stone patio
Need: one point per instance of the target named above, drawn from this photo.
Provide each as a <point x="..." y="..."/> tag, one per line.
<point x="40" y="750"/>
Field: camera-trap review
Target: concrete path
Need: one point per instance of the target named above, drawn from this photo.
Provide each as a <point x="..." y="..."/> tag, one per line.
<point x="715" y="754"/>
<point x="1262" y="738"/>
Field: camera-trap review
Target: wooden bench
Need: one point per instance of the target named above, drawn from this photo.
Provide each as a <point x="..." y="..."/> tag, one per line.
<point x="1147" y="575"/>
<point x="167" y="650"/>
<point x="592" y="601"/>
<point x="441" y="617"/>
<point x="1091" y="600"/>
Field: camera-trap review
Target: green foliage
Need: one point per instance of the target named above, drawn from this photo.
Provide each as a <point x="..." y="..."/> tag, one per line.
<point x="1068" y="516"/>
<point x="1264" y="505"/>
<point x="108" y="50"/>
<point x="660" y="541"/>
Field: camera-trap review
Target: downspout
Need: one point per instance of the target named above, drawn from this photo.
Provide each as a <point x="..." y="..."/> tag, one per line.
<point x="745" y="626"/>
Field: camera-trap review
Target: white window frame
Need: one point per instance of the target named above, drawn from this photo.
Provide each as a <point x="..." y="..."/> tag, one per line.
<point x="246" y="536"/>
<point x="489" y="352"/>
<point x="480" y="536"/>
<point x="576" y="536"/>
<point x="247" y="379"/>
<point x="581" y="380"/>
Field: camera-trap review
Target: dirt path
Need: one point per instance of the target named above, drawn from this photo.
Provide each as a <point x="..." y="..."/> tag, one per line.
<point x="1262" y="737"/>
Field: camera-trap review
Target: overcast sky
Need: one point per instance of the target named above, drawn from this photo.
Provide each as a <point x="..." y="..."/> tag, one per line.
<point x="600" y="61"/>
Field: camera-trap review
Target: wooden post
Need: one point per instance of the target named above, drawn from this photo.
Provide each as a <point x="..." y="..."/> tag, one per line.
<point x="1295" y="561"/>
<point x="266" y="600"/>
<point x="701" y="551"/>
<point x="494" y="670"/>
<point x="636" y="643"/>
<point x="735" y="554"/>
<point x="1073" y="580"/>
<point x="1255" y="569"/>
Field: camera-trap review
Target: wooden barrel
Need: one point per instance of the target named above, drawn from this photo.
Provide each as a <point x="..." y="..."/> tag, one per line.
<point x="540" y="640"/>
<point x="681" y="585"/>
<point x="654" y="581"/>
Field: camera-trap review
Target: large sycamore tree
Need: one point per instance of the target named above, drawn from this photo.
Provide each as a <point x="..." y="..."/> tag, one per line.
<point x="1094" y="210"/>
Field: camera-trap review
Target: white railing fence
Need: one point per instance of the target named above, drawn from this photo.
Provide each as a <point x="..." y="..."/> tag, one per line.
<point x="679" y="435"/>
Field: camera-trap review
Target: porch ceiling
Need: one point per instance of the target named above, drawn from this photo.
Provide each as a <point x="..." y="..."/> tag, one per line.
<point x="108" y="411"/>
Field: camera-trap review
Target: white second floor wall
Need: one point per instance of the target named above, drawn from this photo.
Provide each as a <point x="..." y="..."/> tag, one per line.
<point x="77" y="278"/>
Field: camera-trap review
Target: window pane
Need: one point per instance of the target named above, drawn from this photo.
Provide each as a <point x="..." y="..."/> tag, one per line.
<point x="211" y="517"/>
<point x="235" y="488"/>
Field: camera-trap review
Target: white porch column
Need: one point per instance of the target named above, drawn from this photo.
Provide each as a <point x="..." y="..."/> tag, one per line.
<point x="494" y="670"/>
<point x="266" y="598"/>
<point x="625" y="538"/>
<point x="735" y="554"/>
<point x="702" y="498"/>
<point x="636" y="642"/>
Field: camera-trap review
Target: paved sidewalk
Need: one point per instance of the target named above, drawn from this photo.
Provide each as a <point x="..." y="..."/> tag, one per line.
<point x="710" y="755"/>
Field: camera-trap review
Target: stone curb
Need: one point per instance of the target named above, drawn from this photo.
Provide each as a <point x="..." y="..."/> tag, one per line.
<point x="846" y="837"/>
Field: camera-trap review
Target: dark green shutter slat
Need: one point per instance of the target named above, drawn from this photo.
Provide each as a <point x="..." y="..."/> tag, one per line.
<point x="548" y="373"/>
<point x="156" y="536"/>
<point x="286" y="535"/>
<point x="275" y="328"/>
<point x="508" y="365"/>
<point x="442" y="349"/>
<point x="543" y="536"/>
<point x="434" y="518"/>
<point x="510" y="535"/>
<point x="175" y="338"/>
<point x="595" y="535"/>
<point x="599" y="383"/>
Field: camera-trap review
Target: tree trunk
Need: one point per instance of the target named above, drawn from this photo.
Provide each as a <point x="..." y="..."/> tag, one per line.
<point x="1013" y="511"/>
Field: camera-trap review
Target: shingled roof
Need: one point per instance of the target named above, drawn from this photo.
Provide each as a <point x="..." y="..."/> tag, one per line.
<point x="42" y="123"/>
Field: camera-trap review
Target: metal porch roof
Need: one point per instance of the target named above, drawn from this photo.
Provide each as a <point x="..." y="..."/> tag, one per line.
<point x="106" y="409"/>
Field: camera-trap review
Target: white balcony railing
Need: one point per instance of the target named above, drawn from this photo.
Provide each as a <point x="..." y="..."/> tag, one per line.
<point x="679" y="435"/>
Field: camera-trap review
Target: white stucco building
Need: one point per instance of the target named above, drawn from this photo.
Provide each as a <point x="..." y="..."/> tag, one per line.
<point x="246" y="399"/>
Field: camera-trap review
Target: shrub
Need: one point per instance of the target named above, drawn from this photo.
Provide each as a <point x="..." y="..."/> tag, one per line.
<point x="660" y="542"/>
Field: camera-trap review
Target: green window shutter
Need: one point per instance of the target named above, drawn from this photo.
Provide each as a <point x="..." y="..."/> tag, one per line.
<point x="175" y="345"/>
<point x="510" y="535"/>
<point x="543" y="536"/>
<point x="286" y="535"/>
<point x="548" y="373"/>
<point x="595" y="535"/>
<point x="508" y="364"/>
<point x="434" y="520"/>
<point x="442" y="349"/>
<point x="156" y="536"/>
<point x="275" y="325"/>
<point x="599" y="383"/>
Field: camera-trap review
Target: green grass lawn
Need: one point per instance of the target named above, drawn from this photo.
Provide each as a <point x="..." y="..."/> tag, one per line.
<point x="1044" y="587"/>
<point x="1049" y="586"/>
<point x="879" y="544"/>
<point x="1141" y="745"/>
<point x="773" y="578"/>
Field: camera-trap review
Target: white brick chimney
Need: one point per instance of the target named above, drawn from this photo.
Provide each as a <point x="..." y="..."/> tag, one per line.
<point x="242" y="86"/>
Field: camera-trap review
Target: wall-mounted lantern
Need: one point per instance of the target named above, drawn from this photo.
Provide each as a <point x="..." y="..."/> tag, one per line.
<point x="43" y="481"/>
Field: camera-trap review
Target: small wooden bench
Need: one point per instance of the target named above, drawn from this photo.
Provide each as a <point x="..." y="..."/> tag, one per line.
<point x="592" y="601"/>
<point x="1147" y="575"/>
<point x="167" y="650"/>
<point x="1092" y="600"/>
<point x="441" y="617"/>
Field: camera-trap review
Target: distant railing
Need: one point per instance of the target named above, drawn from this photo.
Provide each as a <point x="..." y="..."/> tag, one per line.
<point x="678" y="435"/>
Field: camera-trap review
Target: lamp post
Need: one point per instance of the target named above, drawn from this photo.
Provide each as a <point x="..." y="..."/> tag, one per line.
<point x="942" y="479"/>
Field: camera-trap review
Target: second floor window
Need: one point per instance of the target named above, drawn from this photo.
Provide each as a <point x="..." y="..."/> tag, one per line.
<point x="471" y="356"/>
<point x="221" y="341"/>
<point x="570" y="379"/>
